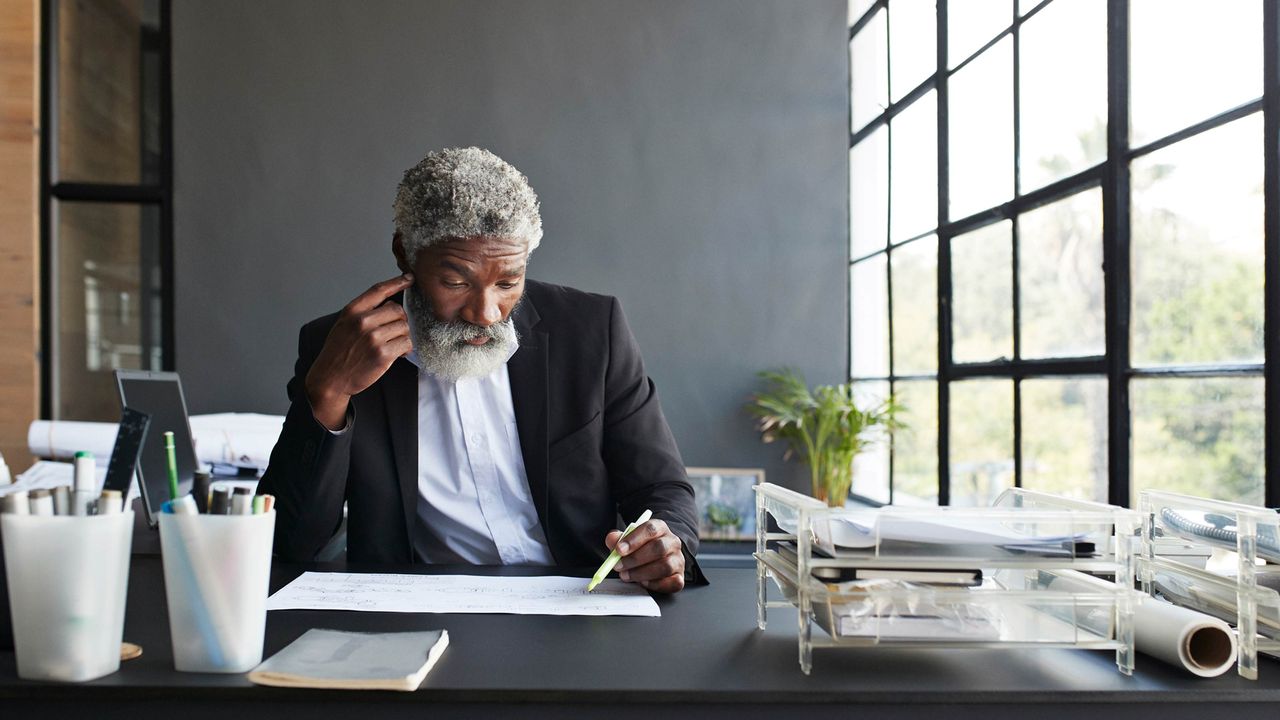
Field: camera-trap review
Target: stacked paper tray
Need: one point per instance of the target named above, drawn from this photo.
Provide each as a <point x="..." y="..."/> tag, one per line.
<point x="1217" y="557"/>
<point x="1014" y="547"/>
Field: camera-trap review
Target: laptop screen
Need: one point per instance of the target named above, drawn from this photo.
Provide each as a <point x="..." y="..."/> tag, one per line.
<point x="159" y="394"/>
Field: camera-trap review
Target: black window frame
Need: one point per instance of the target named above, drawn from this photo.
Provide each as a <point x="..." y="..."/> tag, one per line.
<point x="1111" y="176"/>
<point x="158" y="194"/>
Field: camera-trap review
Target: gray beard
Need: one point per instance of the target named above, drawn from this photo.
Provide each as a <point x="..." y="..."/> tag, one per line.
<point x="442" y="346"/>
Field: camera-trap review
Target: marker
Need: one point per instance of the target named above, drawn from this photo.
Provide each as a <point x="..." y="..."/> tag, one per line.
<point x="16" y="503"/>
<point x="258" y="503"/>
<point x="268" y="502"/>
<point x="62" y="500"/>
<point x="86" y="484"/>
<point x="172" y="460"/>
<point x="41" y="503"/>
<point x="200" y="490"/>
<point x="607" y="566"/>
<point x="220" y="503"/>
<point x="242" y="501"/>
<point x="110" y="502"/>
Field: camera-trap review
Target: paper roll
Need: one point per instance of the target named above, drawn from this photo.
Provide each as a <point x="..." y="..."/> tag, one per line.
<point x="1201" y="644"/>
<point x="240" y="439"/>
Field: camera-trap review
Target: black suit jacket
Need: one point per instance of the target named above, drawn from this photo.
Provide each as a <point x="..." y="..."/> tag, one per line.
<point x="593" y="437"/>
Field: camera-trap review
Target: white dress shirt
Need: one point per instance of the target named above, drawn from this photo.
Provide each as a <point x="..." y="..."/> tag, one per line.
<point x="474" y="504"/>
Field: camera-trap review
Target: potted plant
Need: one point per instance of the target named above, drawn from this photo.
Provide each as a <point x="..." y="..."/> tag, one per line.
<point x="824" y="427"/>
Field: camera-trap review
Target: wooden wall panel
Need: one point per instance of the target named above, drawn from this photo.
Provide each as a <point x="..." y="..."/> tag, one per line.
<point x="19" y="207"/>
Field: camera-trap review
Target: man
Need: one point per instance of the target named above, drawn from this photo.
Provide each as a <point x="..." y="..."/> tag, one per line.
<point x="468" y="415"/>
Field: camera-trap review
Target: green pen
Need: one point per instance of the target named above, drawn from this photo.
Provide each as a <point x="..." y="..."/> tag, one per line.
<point x="614" y="557"/>
<point x="173" y="465"/>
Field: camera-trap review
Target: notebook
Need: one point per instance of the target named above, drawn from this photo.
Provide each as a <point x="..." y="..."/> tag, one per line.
<point x="341" y="660"/>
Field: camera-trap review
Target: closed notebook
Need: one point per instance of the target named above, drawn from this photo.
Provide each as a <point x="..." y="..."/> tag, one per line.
<point x="342" y="660"/>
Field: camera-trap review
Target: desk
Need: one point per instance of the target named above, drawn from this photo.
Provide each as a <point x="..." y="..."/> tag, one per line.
<point x="703" y="658"/>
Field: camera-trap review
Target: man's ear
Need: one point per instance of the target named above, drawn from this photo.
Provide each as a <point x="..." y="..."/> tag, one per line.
<point x="397" y="249"/>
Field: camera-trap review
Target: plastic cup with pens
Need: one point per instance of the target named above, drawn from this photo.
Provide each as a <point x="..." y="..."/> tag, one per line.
<point x="67" y="577"/>
<point x="216" y="572"/>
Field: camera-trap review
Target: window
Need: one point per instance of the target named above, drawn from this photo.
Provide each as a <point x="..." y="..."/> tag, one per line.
<point x="1064" y="246"/>
<point x="105" y="201"/>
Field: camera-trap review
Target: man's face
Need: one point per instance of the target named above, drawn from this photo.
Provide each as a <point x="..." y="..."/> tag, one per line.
<point x="460" y="305"/>
<point x="477" y="280"/>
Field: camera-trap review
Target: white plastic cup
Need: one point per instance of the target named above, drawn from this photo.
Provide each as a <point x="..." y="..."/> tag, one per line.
<point x="216" y="573"/>
<point x="67" y="581"/>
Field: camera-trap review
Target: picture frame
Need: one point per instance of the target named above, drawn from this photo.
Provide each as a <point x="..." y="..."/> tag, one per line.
<point x="726" y="502"/>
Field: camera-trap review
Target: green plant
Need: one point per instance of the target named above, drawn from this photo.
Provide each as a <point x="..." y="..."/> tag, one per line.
<point x="723" y="517"/>
<point x="824" y="427"/>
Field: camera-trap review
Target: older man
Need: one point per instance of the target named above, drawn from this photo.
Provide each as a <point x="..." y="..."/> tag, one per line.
<point x="468" y="415"/>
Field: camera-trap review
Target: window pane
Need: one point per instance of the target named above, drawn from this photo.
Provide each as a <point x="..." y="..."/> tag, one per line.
<point x="1190" y="60"/>
<point x="869" y="72"/>
<point x="982" y="294"/>
<point x="914" y="135"/>
<point x="1197" y="258"/>
<point x="869" y="314"/>
<point x="981" y="132"/>
<point x="971" y="25"/>
<point x="871" y="466"/>
<point x="913" y="44"/>
<point x="107" y="303"/>
<point x="108" y="92"/>
<point x="1063" y="104"/>
<point x="1199" y="436"/>
<point x="1026" y="6"/>
<point x="1060" y="278"/>
<point x="869" y="193"/>
<point x="981" y="441"/>
<point x="915" y="448"/>
<point x="1064" y="437"/>
<point x="915" y="307"/>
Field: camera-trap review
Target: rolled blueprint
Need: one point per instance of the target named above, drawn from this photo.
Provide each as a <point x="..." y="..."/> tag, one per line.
<point x="239" y="439"/>
<point x="62" y="439"/>
<point x="1201" y="644"/>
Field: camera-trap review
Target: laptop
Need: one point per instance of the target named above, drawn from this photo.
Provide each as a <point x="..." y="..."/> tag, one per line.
<point x="159" y="394"/>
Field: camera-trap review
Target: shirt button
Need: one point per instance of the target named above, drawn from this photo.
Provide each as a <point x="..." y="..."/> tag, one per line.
<point x="479" y="438"/>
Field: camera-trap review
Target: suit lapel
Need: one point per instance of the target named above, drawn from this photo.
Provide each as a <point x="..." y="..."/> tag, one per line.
<point x="527" y="370"/>
<point x="400" y="393"/>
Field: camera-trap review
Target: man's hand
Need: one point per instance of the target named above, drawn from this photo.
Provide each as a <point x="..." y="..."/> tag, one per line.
<point x="369" y="335"/>
<point x="651" y="556"/>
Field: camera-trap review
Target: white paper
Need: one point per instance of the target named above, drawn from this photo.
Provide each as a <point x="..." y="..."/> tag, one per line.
<point x="381" y="592"/>
<point x="47" y="474"/>
<point x="857" y="529"/>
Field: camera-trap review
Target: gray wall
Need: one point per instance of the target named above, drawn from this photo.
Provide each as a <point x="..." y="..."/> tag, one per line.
<point x="690" y="156"/>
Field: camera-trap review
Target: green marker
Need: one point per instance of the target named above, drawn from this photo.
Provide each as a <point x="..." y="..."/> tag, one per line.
<point x="173" y="465"/>
<point x="614" y="557"/>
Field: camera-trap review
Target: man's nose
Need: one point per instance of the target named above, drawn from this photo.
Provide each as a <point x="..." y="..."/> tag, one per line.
<point x="482" y="310"/>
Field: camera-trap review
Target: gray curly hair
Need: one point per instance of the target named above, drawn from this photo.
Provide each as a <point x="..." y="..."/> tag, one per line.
<point x="462" y="193"/>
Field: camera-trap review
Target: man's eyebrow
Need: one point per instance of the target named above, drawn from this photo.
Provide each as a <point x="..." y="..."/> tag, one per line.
<point x="461" y="270"/>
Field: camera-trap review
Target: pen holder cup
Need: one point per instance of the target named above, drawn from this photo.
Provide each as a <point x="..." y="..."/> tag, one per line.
<point x="67" y="580"/>
<point x="216" y="572"/>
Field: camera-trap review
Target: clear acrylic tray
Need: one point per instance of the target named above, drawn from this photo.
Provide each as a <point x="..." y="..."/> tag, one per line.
<point x="1020" y="548"/>
<point x="1217" y="557"/>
